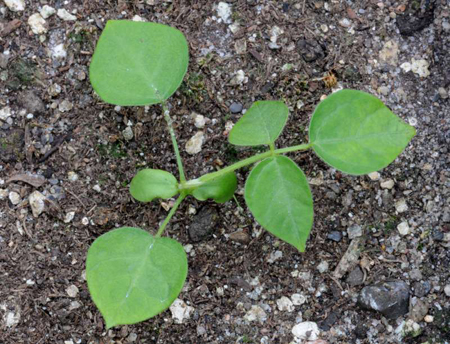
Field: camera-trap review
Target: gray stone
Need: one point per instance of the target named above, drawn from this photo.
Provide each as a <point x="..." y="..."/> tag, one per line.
<point x="355" y="277"/>
<point x="389" y="298"/>
<point x="236" y="107"/>
<point x="422" y="288"/>
<point x="415" y="274"/>
<point x="204" y="224"/>
<point x="418" y="310"/>
<point x="350" y="258"/>
<point x="31" y="102"/>
<point x="335" y="236"/>
<point x="354" y="231"/>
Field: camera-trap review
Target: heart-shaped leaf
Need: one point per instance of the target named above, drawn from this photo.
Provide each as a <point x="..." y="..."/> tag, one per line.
<point x="278" y="195"/>
<point x="356" y="133"/>
<point x="133" y="276"/>
<point x="137" y="63"/>
<point x="149" y="184"/>
<point x="260" y="125"/>
<point x="220" y="189"/>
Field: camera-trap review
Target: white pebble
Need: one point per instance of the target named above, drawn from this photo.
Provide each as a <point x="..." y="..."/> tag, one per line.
<point x="256" y="313"/>
<point x="428" y="318"/>
<point x="37" y="203"/>
<point x="199" y="121"/>
<point x="298" y="299"/>
<point x="37" y="24"/>
<point x="66" y="16"/>
<point x="403" y="228"/>
<point x="180" y="311"/>
<point x="447" y="290"/>
<point x="14" y="197"/>
<point x="15" y="5"/>
<point x="69" y="216"/>
<point x="224" y="12"/>
<point x="306" y="330"/>
<point x="387" y="184"/>
<point x="323" y="266"/>
<point x="401" y="205"/>
<point x="274" y="256"/>
<point x="47" y="11"/>
<point x="5" y="113"/>
<point x="72" y="290"/>
<point x="194" y="145"/>
<point x="285" y="304"/>
<point x="72" y="176"/>
<point x="374" y="176"/>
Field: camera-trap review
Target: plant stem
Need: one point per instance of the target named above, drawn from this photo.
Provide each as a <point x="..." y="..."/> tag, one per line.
<point x="242" y="163"/>
<point x="169" y="216"/>
<point x="174" y="141"/>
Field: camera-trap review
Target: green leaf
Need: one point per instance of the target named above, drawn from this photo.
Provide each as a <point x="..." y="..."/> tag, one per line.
<point x="278" y="195"/>
<point x="356" y="133"/>
<point x="260" y="125"/>
<point x="138" y="63"/>
<point x="220" y="189"/>
<point x="149" y="184"/>
<point x="133" y="276"/>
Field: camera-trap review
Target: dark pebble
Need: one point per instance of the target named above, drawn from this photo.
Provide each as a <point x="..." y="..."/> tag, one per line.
<point x="335" y="236"/>
<point x="389" y="298"/>
<point x="203" y="224"/>
<point x="355" y="277"/>
<point x="422" y="288"/>
<point x="437" y="235"/>
<point x="236" y="107"/>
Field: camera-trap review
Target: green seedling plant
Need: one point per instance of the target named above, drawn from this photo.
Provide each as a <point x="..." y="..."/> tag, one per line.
<point x="133" y="275"/>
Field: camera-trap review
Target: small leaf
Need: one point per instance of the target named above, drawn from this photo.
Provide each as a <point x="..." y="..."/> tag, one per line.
<point x="133" y="276"/>
<point x="278" y="195"/>
<point x="149" y="184"/>
<point x="261" y="124"/>
<point x="356" y="133"/>
<point x="137" y="63"/>
<point x="220" y="189"/>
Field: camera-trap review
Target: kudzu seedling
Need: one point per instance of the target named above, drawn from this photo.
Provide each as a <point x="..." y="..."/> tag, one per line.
<point x="133" y="275"/>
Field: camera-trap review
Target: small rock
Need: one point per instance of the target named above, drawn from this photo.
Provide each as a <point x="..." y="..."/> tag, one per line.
<point x="354" y="231"/>
<point x="403" y="228"/>
<point x="37" y="24"/>
<point x="31" y="102"/>
<point x="74" y="305"/>
<point x="422" y="288"/>
<point x="238" y="78"/>
<point x="194" y="145"/>
<point x="298" y="299"/>
<point x="15" y="5"/>
<point x="137" y="18"/>
<point x="411" y="329"/>
<point x="285" y="304"/>
<point x="72" y="291"/>
<point x="323" y="266"/>
<point x="428" y="318"/>
<point x="5" y="113"/>
<point x="350" y="257"/>
<point x="37" y="203"/>
<point x="274" y="256"/>
<point x="199" y="121"/>
<point x="447" y="290"/>
<point x="132" y="337"/>
<point x="54" y="90"/>
<point x="201" y="330"/>
<point x="384" y="90"/>
<point x="306" y="330"/>
<point x="401" y="205"/>
<point x="58" y="51"/>
<point x="344" y="22"/>
<point x="419" y="67"/>
<point x="415" y="274"/>
<point x="389" y="53"/>
<point x="12" y="319"/>
<point x="240" y="237"/>
<point x="65" y="106"/>
<point x="14" y="198"/>
<point x="418" y="310"/>
<point x="355" y="277"/>
<point x="47" y="11"/>
<point x="240" y="46"/>
<point x="387" y="184"/>
<point x="389" y="298"/>
<point x="224" y="12"/>
<point x="72" y="176"/>
<point x="69" y="216"/>
<point x="236" y="107"/>
<point x="203" y="224"/>
<point x="97" y="188"/>
<point x="335" y="236"/>
<point x="127" y="133"/>
<point x="66" y="16"/>
<point x="256" y="313"/>
<point x="180" y="311"/>
<point x="443" y="93"/>
<point x="374" y="176"/>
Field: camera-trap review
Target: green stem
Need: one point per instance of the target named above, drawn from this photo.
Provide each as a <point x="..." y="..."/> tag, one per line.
<point x="174" y="141"/>
<point x="258" y="157"/>
<point x="169" y="216"/>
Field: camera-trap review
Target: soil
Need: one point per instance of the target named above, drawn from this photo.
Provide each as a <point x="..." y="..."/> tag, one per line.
<point x="59" y="129"/>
